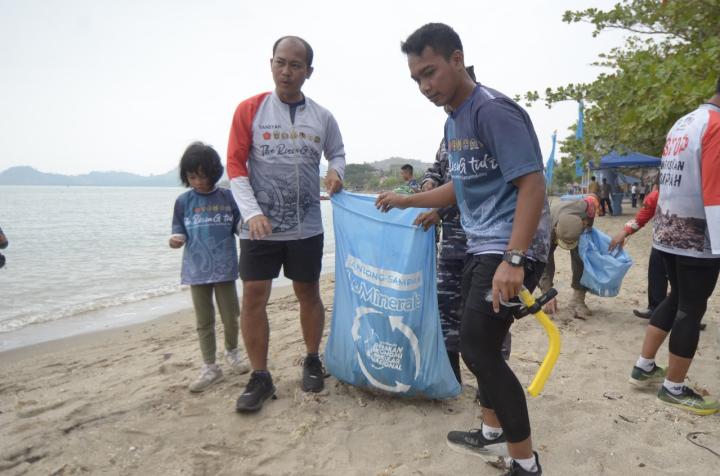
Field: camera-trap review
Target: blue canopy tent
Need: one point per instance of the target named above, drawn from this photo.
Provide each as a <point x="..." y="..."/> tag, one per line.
<point x="632" y="159"/>
<point x="615" y="160"/>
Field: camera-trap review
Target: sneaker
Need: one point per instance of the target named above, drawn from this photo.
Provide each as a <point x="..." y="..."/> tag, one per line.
<point x="688" y="400"/>
<point x="517" y="470"/>
<point x="313" y="375"/>
<point x="474" y="443"/>
<point x="641" y="378"/>
<point x="259" y="388"/>
<point x="643" y="314"/>
<point x="209" y="374"/>
<point x="236" y="362"/>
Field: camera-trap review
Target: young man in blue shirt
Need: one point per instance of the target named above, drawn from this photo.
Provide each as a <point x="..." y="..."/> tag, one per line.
<point x="497" y="183"/>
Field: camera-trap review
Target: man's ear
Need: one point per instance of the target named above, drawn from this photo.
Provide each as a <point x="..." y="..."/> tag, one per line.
<point x="271" y="63"/>
<point x="309" y="72"/>
<point x="457" y="59"/>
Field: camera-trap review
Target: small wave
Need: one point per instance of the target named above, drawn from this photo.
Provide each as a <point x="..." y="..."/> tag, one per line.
<point x="23" y="320"/>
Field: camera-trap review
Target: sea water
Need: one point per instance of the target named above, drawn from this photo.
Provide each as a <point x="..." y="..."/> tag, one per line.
<point x="87" y="258"/>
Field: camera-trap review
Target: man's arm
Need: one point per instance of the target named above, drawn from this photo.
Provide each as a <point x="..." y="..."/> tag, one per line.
<point x="435" y="198"/>
<point x="238" y="152"/>
<point x="334" y="151"/>
<point x="508" y="280"/>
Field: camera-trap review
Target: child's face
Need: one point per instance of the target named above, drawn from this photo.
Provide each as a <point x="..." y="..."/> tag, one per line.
<point x="405" y="175"/>
<point x="199" y="181"/>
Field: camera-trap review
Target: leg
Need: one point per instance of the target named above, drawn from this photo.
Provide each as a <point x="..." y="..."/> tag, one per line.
<point x="312" y="314"/>
<point x="205" y="320"/>
<point x="254" y="322"/>
<point x="260" y="262"/>
<point x="664" y="315"/>
<point x="449" y="296"/>
<point x="481" y="338"/>
<point x="303" y="262"/>
<point x="229" y="308"/>
<point x="696" y="281"/>
<point x="657" y="279"/>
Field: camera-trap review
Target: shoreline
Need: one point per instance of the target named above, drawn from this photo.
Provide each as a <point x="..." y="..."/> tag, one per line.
<point x="107" y="336"/>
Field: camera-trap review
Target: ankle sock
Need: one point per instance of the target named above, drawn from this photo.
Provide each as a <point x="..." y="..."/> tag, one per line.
<point x="673" y="387"/>
<point x="528" y="464"/>
<point x="262" y="373"/>
<point x="313" y="356"/>
<point x="490" y="432"/>
<point x="646" y="364"/>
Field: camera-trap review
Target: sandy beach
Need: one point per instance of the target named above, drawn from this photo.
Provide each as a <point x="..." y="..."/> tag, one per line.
<point x="116" y="402"/>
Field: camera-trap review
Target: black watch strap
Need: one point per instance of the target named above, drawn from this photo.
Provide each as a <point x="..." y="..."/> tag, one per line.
<point x="515" y="258"/>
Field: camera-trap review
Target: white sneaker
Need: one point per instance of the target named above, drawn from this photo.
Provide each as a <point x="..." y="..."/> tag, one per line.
<point x="209" y="374"/>
<point x="236" y="362"/>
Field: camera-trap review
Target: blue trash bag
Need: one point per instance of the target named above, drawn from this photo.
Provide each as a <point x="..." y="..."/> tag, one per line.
<point x="604" y="270"/>
<point x="385" y="332"/>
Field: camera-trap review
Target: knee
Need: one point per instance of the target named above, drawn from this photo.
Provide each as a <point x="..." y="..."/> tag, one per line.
<point x="308" y="294"/>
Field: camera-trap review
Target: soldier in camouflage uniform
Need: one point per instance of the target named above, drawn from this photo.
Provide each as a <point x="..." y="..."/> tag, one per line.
<point x="450" y="262"/>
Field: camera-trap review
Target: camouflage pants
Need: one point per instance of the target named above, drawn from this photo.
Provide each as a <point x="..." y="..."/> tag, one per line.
<point x="449" y="289"/>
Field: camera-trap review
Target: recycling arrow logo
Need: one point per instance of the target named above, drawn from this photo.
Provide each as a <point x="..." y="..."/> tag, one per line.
<point x="396" y="324"/>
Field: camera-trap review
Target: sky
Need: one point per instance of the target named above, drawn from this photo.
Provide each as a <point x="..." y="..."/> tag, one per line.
<point x="127" y="85"/>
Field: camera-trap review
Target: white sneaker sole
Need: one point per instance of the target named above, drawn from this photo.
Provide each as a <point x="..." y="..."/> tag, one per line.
<point x="202" y="389"/>
<point x="488" y="454"/>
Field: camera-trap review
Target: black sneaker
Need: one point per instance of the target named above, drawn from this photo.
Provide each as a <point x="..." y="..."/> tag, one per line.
<point x="644" y="314"/>
<point x="473" y="442"/>
<point x="517" y="470"/>
<point x="259" y="388"/>
<point x="313" y="374"/>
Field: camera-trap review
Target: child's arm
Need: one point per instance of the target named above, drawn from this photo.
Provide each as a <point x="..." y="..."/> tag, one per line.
<point x="179" y="233"/>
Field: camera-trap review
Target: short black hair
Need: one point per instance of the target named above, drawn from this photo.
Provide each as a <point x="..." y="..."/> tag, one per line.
<point x="438" y="36"/>
<point x="592" y="178"/>
<point x="308" y="49"/>
<point x="200" y="157"/>
<point x="408" y="168"/>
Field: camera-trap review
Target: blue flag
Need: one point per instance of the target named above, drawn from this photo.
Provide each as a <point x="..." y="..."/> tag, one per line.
<point x="550" y="165"/>
<point x="579" y="170"/>
<point x="385" y="332"/>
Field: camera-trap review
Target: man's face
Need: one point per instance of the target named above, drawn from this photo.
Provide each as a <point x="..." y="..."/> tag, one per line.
<point x="289" y="67"/>
<point x="436" y="77"/>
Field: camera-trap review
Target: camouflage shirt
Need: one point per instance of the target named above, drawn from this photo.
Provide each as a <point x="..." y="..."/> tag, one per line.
<point x="454" y="242"/>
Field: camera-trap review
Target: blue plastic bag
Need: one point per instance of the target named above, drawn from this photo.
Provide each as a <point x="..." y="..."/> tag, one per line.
<point x="385" y="332"/>
<point x="604" y="270"/>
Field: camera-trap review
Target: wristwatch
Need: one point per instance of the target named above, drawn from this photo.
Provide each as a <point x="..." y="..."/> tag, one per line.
<point x="515" y="258"/>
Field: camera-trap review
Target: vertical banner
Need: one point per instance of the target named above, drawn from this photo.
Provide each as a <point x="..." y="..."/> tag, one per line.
<point x="385" y="332"/>
<point x="579" y="134"/>
<point x="550" y="164"/>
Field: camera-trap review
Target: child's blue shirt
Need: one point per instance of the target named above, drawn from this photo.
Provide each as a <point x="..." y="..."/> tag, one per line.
<point x="209" y="223"/>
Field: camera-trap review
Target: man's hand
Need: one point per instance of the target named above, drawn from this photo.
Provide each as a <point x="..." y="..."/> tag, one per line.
<point x="428" y="185"/>
<point x="333" y="182"/>
<point x="388" y="200"/>
<point x="618" y="241"/>
<point x="427" y="219"/>
<point x="259" y="227"/>
<point x="551" y="307"/>
<point x="176" y="241"/>
<point x="507" y="282"/>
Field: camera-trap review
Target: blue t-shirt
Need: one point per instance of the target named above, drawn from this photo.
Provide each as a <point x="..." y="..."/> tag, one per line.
<point x="209" y="223"/>
<point x="491" y="142"/>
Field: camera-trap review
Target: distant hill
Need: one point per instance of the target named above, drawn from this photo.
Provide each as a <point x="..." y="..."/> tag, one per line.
<point x="25" y="175"/>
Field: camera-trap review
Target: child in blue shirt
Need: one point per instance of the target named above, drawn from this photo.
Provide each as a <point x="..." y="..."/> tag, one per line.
<point x="205" y="220"/>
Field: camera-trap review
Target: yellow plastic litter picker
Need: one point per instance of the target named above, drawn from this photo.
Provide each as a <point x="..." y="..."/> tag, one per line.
<point x="530" y="305"/>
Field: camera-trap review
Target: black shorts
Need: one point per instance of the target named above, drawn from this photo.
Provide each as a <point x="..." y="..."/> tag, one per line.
<point x="301" y="260"/>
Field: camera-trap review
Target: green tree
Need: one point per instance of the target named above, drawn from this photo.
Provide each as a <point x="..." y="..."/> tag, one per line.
<point x="667" y="66"/>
